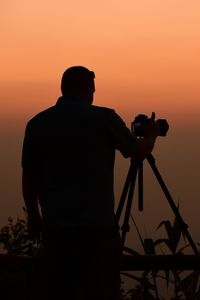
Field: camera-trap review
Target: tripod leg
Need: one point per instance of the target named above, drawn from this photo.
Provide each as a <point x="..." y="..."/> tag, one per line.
<point x="125" y="226"/>
<point x="124" y="194"/>
<point x="140" y="186"/>
<point x="184" y="226"/>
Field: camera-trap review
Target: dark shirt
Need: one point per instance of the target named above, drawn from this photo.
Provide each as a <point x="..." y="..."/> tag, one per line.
<point x="70" y="148"/>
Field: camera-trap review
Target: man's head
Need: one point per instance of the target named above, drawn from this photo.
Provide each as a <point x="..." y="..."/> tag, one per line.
<point x="78" y="81"/>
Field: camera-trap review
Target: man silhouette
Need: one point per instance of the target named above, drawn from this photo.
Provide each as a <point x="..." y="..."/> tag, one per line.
<point x="68" y="163"/>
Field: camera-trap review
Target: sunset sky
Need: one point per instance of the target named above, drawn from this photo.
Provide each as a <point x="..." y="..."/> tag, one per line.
<point x="146" y="57"/>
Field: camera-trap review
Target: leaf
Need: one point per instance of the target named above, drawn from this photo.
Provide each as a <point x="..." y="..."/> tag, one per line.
<point x="177" y="231"/>
<point x="142" y="280"/>
<point x="180" y="251"/>
<point x="130" y="251"/>
<point x="138" y="232"/>
<point x="168" y="228"/>
<point x="139" y="279"/>
<point x="159" y="241"/>
<point x="173" y="232"/>
<point x="149" y="247"/>
<point x="189" y="284"/>
<point x="167" y="272"/>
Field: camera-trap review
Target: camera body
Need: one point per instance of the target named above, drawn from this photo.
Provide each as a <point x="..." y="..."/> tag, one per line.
<point x="141" y="121"/>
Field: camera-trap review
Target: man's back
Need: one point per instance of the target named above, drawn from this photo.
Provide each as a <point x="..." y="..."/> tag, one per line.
<point x="71" y="147"/>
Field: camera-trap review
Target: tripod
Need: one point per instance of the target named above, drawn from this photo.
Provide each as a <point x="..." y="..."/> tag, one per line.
<point x="136" y="168"/>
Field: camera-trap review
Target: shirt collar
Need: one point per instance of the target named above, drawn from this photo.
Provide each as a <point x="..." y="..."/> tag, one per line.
<point x="69" y="99"/>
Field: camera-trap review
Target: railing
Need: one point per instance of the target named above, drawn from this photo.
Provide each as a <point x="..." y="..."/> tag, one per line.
<point x="128" y="262"/>
<point x="160" y="262"/>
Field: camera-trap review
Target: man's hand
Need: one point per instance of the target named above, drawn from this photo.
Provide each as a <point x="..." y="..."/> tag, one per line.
<point x="146" y="144"/>
<point x="152" y="129"/>
<point x="29" y="188"/>
<point x="34" y="227"/>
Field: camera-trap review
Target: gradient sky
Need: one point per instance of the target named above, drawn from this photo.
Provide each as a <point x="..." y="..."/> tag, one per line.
<point x="146" y="58"/>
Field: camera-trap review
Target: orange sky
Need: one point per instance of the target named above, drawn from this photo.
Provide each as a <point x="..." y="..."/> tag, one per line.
<point x="145" y="55"/>
<point x="139" y="49"/>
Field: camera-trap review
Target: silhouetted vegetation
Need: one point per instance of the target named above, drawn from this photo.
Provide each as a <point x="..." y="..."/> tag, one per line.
<point x="15" y="239"/>
<point x="182" y="285"/>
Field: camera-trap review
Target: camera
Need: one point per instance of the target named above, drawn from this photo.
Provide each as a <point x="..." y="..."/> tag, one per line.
<point x="141" y="121"/>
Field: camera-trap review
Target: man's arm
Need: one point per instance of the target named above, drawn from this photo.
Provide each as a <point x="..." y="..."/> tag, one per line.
<point x="31" y="201"/>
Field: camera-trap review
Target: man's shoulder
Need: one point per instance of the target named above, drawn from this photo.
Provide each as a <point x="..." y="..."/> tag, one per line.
<point x="105" y="114"/>
<point x="108" y="113"/>
<point x="41" y="116"/>
<point x="103" y="110"/>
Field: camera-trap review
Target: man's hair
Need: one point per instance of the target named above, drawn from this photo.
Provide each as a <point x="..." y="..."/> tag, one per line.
<point x="76" y="80"/>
